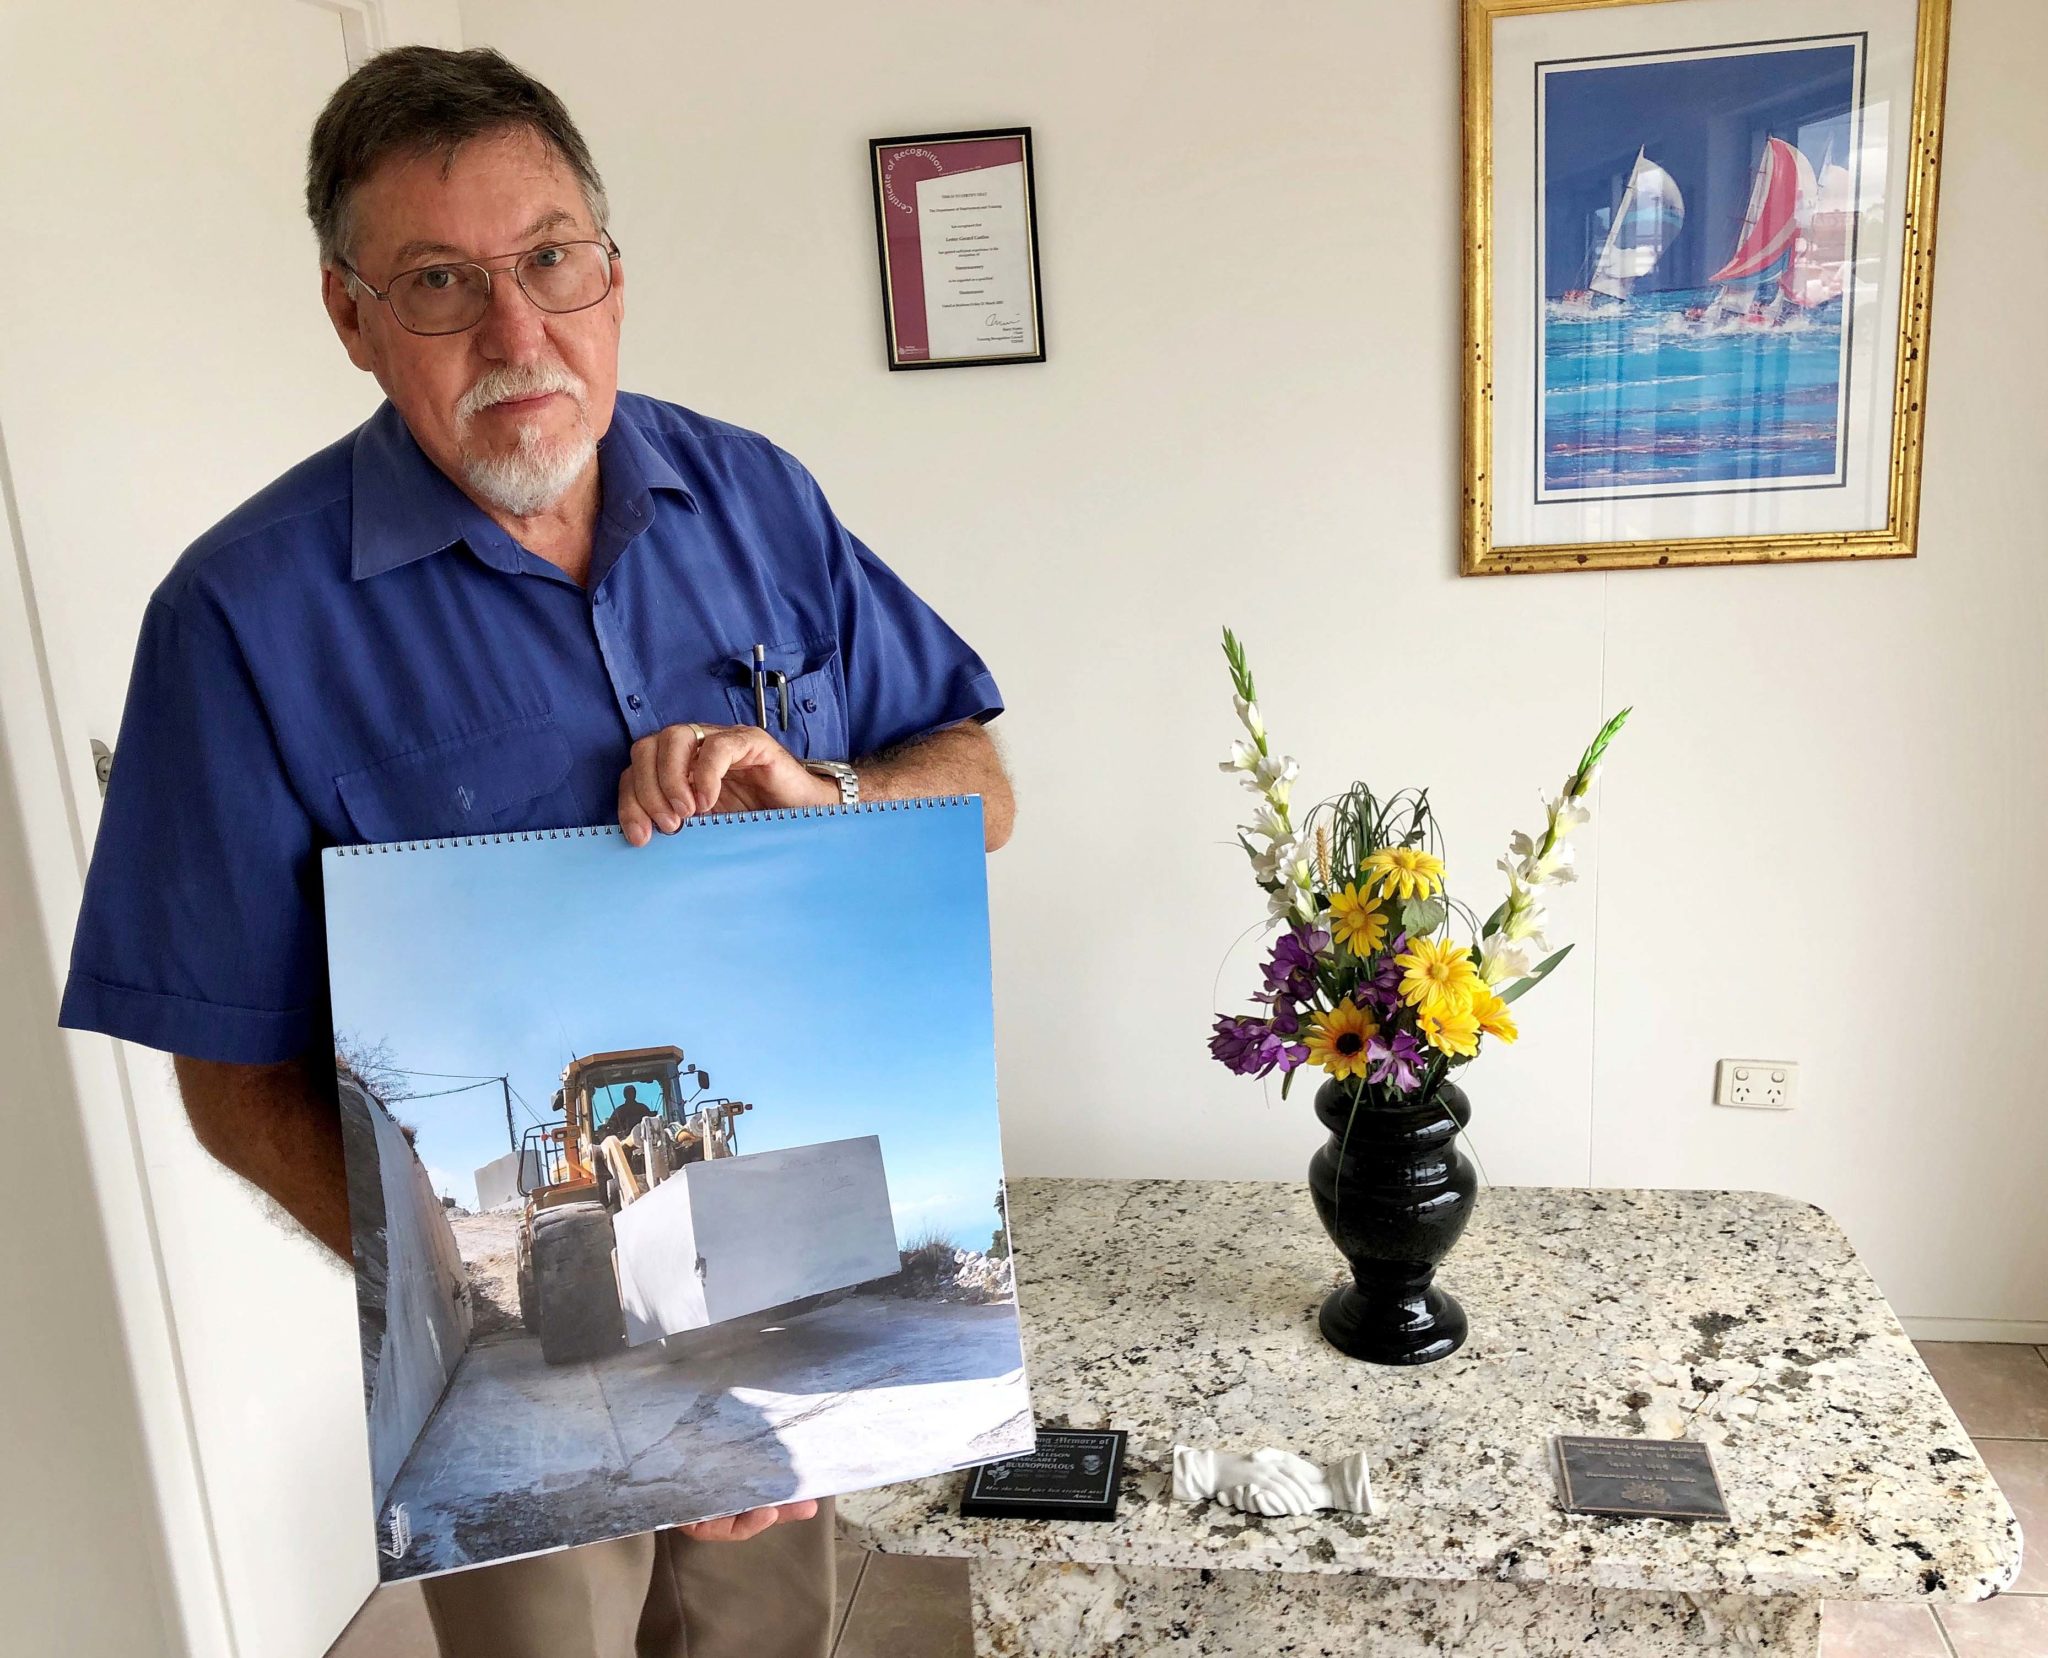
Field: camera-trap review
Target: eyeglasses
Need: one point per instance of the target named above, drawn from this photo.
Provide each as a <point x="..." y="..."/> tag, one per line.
<point x="449" y="298"/>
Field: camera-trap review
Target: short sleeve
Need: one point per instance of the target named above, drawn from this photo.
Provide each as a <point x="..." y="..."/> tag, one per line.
<point x="200" y="931"/>
<point x="906" y="671"/>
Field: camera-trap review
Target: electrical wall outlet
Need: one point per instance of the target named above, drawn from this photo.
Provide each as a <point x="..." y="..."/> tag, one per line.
<point x="1758" y="1084"/>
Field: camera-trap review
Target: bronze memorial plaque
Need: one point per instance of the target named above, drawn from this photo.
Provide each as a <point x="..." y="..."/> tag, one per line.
<point x="1661" y="1479"/>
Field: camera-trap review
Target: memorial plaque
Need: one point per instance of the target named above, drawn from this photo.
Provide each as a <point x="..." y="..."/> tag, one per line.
<point x="1659" y="1479"/>
<point x="1071" y="1476"/>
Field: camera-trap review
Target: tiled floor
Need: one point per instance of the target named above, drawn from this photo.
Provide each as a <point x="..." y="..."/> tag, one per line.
<point x="894" y="1606"/>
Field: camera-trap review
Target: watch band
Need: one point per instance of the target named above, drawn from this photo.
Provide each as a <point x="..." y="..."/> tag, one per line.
<point x="841" y="773"/>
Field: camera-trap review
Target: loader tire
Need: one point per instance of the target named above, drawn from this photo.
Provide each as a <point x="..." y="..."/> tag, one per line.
<point x="575" y="1290"/>
<point x="529" y="1308"/>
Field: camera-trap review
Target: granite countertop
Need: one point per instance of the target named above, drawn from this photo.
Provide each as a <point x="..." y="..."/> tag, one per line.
<point x="1185" y="1311"/>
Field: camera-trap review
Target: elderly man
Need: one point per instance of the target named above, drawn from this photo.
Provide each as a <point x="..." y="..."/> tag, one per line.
<point x="514" y="598"/>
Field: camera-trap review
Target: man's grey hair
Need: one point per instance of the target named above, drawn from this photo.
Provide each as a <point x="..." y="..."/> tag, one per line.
<point x="422" y="101"/>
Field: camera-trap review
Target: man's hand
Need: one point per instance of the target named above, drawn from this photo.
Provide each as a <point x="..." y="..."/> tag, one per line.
<point x="685" y="769"/>
<point x="737" y="1528"/>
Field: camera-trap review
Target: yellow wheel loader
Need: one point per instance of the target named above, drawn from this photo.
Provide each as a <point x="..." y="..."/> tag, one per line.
<point x="626" y="1125"/>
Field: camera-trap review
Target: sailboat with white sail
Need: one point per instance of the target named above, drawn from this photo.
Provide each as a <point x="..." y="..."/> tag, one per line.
<point x="1820" y="265"/>
<point x="1644" y="223"/>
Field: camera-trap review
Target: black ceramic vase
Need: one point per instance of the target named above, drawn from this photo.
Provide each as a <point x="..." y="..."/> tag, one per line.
<point x="1394" y="1200"/>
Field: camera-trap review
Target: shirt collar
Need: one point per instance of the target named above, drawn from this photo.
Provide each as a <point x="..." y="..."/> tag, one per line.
<point x="405" y="507"/>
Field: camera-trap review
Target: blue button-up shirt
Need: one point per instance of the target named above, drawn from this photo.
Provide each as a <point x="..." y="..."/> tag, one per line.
<point x="360" y="654"/>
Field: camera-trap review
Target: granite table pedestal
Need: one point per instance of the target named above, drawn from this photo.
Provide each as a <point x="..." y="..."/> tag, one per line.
<point x="1184" y="1311"/>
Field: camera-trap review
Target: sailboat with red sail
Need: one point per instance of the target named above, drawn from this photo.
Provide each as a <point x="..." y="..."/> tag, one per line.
<point x="1752" y="286"/>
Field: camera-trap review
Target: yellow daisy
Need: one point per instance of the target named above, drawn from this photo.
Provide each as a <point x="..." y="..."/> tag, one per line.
<point x="1492" y="1014"/>
<point x="1336" y="1040"/>
<point x="1449" y="1030"/>
<point x="1357" y="919"/>
<point x="1406" y="872"/>
<point x="1438" y="973"/>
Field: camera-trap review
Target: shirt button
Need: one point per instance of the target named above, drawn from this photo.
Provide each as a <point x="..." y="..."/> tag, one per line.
<point x="633" y="702"/>
<point x="810" y="705"/>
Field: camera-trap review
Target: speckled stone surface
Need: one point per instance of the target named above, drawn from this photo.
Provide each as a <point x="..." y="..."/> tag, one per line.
<point x="1184" y="1311"/>
<point x="1029" y="1610"/>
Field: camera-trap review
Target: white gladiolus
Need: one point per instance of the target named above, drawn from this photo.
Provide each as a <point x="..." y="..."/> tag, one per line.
<point x="1248" y="714"/>
<point x="1290" y="903"/>
<point x="1282" y="860"/>
<point x="1529" y="865"/>
<point x="1502" y="959"/>
<point x="1243" y="757"/>
<point x="1527" y="928"/>
<point x="1276" y="768"/>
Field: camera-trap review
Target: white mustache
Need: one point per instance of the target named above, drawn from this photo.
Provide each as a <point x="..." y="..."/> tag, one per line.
<point x="503" y="384"/>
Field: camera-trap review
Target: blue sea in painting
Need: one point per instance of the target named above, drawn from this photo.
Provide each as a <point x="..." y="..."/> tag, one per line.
<point x="1643" y="394"/>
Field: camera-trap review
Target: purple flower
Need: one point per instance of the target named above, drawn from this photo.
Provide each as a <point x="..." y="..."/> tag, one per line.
<point x="1291" y="969"/>
<point x="1382" y="992"/>
<point x="1253" y="1048"/>
<point x="1399" y="1061"/>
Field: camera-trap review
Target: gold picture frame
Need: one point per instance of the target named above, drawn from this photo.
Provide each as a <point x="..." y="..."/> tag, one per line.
<point x="1921" y="174"/>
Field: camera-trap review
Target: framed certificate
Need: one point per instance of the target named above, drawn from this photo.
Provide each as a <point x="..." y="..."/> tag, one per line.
<point x="1699" y="254"/>
<point x="956" y="227"/>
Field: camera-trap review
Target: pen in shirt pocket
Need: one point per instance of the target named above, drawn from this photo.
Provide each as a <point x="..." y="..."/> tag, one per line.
<point x="763" y="675"/>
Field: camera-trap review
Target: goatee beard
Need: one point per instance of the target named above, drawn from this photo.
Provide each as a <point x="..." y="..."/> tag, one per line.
<point x="534" y="476"/>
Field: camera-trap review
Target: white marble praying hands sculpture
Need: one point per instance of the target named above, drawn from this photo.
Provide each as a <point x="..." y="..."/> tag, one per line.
<point x="1270" y="1482"/>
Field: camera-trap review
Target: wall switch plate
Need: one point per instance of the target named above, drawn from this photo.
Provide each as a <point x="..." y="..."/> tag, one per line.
<point x="1757" y="1084"/>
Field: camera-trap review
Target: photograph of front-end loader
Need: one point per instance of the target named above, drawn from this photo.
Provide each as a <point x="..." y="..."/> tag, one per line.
<point x="643" y="1221"/>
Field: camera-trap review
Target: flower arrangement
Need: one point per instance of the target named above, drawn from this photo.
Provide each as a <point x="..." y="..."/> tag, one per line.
<point x="1368" y="979"/>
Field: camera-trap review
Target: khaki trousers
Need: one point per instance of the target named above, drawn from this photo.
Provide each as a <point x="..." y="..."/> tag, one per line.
<point x="658" y="1595"/>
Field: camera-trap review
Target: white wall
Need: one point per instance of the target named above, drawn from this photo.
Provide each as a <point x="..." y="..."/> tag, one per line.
<point x="83" y="1570"/>
<point x="1816" y="840"/>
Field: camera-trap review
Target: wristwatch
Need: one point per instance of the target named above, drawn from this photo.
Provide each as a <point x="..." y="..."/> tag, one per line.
<point x="841" y="773"/>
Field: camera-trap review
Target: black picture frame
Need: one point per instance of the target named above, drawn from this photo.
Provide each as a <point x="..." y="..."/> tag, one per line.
<point x="917" y="356"/>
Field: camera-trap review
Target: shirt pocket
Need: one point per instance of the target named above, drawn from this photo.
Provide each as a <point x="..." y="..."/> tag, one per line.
<point x="817" y="698"/>
<point x="468" y="785"/>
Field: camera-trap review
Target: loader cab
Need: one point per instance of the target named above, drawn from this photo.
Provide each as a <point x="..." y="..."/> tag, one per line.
<point x="563" y="1163"/>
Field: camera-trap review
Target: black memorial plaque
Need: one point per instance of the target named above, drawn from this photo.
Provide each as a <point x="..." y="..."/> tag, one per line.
<point x="1071" y="1476"/>
<point x="1659" y="1479"/>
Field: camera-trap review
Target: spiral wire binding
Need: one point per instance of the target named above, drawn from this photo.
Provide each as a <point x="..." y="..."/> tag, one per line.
<point x="772" y="814"/>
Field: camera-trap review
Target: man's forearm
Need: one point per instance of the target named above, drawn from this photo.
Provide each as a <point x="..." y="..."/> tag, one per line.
<point x="276" y="1128"/>
<point x="961" y="759"/>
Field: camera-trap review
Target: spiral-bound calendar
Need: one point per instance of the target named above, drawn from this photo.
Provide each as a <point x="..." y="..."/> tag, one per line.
<point x="675" y="1174"/>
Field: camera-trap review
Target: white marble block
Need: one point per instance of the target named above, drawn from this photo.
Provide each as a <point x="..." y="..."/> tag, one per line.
<point x="734" y="1235"/>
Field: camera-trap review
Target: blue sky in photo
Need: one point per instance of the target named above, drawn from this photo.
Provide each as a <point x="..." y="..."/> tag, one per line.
<point x="1704" y="121"/>
<point x="832" y="970"/>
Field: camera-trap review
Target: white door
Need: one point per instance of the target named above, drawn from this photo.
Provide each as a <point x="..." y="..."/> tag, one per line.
<point x="162" y="355"/>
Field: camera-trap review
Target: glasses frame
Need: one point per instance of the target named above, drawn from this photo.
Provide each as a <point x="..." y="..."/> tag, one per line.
<point x="608" y="244"/>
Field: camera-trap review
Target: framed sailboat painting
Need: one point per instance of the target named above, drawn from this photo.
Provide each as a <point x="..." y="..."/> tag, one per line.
<point x="1698" y="270"/>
